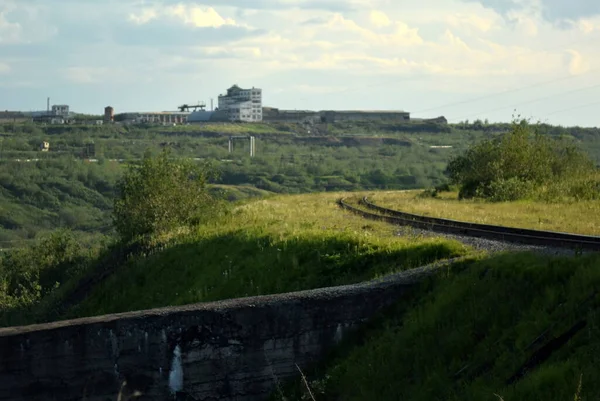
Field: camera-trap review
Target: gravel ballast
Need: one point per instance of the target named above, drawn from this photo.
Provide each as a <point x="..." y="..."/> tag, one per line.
<point x="489" y="245"/>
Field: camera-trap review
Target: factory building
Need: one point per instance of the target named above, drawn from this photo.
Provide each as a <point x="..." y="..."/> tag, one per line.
<point x="61" y="110"/>
<point x="159" y="117"/>
<point x="242" y="104"/>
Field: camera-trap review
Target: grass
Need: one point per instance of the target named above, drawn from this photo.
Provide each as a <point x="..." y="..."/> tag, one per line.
<point x="576" y="217"/>
<point x="281" y="244"/>
<point x="234" y="193"/>
<point x="467" y="333"/>
<point x="231" y="128"/>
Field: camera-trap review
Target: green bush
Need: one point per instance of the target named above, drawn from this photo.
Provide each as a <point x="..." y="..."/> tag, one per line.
<point x="162" y="194"/>
<point x="30" y="273"/>
<point x="518" y="164"/>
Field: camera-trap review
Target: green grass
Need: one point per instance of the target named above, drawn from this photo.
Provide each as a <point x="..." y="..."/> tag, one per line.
<point x="479" y="320"/>
<point x="577" y="217"/>
<point x="234" y="193"/>
<point x="282" y="244"/>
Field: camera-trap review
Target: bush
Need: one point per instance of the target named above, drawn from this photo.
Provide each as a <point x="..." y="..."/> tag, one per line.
<point x="30" y="273"/>
<point x="162" y="194"/>
<point x="519" y="163"/>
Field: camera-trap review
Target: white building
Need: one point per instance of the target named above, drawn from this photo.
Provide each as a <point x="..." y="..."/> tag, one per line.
<point x="242" y="104"/>
<point x="60" y="110"/>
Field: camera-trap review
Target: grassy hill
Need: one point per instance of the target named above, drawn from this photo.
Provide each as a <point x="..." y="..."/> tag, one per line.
<point x="522" y="326"/>
<point x="282" y="244"/>
<point x="516" y="326"/>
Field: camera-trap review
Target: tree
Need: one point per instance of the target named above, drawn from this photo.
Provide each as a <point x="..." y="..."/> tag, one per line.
<point x="516" y="164"/>
<point x="162" y="194"/>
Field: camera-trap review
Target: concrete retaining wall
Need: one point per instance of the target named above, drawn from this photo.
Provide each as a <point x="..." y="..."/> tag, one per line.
<point x="231" y="350"/>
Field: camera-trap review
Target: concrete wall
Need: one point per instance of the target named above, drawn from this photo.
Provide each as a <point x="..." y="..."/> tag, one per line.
<point x="231" y="350"/>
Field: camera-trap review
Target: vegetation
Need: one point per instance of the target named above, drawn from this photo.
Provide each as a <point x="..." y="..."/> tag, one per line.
<point x="581" y="217"/>
<point x="74" y="184"/>
<point x="477" y="330"/>
<point x="524" y="163"/>
<point x="161" y="195"/>
<point x="282" y="244"/>
<point x="485" y="328"/>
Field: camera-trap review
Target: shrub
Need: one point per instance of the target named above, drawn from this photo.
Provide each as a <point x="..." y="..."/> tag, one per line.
<point x="30" y="273"/>
<point x="517" y="164"/>
<point x="162" y="194"/>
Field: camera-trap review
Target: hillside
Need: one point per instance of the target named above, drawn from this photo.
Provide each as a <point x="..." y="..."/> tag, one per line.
<point x="467" y="334"/>
<point x="512" y="327"/>
<point x="283" y="244"/>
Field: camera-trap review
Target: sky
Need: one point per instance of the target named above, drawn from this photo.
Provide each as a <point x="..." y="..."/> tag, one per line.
<point x="463" y="59"/>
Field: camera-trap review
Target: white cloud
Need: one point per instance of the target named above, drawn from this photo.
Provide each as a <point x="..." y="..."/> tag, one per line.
<point x="144" y="17"/>
<point x="577" y="64"/>
<point x="201" y="17"/>
<point x="480" y="23"/>
<point x="10" y="32"/>
<point x="379" y="18"/>
<point x="194" y="15"/>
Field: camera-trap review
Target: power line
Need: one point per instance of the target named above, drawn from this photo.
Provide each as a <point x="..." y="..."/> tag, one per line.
<point x="582" y="106"/>
<point x="518" y="89"/>
<point x="531" y="101"/>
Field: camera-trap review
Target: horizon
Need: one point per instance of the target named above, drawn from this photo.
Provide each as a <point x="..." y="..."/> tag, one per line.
<point x="461" y="59"/>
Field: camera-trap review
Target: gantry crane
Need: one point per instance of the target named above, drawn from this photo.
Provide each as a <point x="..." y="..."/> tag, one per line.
<point x="186" y="107"/>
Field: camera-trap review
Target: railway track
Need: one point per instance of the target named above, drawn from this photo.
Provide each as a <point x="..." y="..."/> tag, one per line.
<point x="372" y="211"/>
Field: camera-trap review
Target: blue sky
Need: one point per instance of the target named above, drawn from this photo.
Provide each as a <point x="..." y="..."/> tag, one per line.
<point x="464" y="59"/>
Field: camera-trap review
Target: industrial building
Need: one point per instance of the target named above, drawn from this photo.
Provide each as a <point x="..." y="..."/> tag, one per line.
<point x="155" y="117"/>
<point x="242" y="104"/>
<point x="272" y="114"/>
<point x="61" y="110"/>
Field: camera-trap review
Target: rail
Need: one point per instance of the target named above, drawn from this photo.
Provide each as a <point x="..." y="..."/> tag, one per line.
<point x="507" y="234"/>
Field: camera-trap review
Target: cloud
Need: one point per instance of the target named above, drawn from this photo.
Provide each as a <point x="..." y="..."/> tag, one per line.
<point x="4" y="68"/>
<point x="577" y="64"/>
<point x="325" y="5"/>
<point x="144" y="16"/>
<point x="10" y="32"/>
<point x="379" y="19"/>
<point x="197" y="16"/>
<point x="483" y="24"/>
<point x="555" y="11"/>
